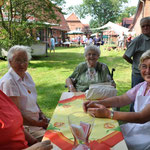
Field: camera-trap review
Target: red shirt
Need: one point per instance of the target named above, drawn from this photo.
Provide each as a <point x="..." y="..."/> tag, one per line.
<point x="11" y="125"/>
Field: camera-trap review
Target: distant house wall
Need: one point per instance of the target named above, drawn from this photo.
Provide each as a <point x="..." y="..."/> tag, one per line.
<point x="147" y="8"/>
<point x="75" y="25"/>
<point x="143" y="10"/>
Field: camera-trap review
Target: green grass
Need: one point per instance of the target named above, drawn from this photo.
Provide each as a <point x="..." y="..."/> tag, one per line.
<point x="49" y="73"/>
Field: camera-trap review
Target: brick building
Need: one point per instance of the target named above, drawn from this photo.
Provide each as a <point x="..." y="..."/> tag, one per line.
<point x="126" y="22"/>
<point x="75" y="24"/>
<point x="58" y="30"/>
<point x="143" y="10"/>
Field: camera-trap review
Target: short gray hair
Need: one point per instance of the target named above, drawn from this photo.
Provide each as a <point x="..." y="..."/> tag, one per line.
<point x="145" y="55"/>
<point x="92" y="48"/>
<point x="16" y="48"/>
<point x="145" y="20"/>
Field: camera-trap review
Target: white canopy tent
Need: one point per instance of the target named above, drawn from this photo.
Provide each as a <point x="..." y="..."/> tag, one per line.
<point x="74" y="32"/>
<point x="116" y="28"/>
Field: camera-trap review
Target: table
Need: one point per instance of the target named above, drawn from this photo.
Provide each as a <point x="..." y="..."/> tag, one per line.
<point x="68" y="44"/>
<point x="106" y="134"/>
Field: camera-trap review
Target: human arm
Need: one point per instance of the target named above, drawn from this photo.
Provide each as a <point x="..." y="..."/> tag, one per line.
<point x="42" y="115"/>
<point x="45" y="145"/>
<point x="115" y="101"/>
<point x="100" y="109"/>
<point x="75" y="77"/>
<point x="129" y="60"/>
<point x="26" y="119"/>
<point x="70" y="85"/>
<point x="31" y="140"/>
<point x="49" y="42"/>
<point x="131" y="50"/>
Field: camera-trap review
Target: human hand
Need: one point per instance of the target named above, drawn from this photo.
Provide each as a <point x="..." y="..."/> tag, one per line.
<point x="43" y="123"/>
<point x="72" y="88"/>
<point x="98" y="110"/>
<point x="43" y="117"/>
<point x="45" y="145"/>
<point x="89" y="104"/>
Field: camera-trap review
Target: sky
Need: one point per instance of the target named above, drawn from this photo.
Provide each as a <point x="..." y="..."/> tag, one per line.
<point x="87" y="19"/>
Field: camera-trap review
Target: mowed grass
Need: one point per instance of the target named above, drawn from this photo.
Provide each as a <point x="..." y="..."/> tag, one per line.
<point x="49" y="73"/>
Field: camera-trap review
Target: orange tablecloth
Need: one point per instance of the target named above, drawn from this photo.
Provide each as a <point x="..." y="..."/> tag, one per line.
<point x="105" y="134"/>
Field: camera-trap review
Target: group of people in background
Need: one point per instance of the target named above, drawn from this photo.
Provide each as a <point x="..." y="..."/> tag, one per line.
<point x="97" y="40"/>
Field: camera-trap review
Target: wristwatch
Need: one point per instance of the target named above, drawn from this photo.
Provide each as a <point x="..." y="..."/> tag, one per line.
<point x="111" y="114"/>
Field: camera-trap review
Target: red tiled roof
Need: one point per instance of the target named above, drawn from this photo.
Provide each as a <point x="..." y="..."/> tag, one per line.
<point x="73" y="17"/>
<point x="86" y="25"/>
<point x="62" y="24"/>
<point x="128" y="20"/>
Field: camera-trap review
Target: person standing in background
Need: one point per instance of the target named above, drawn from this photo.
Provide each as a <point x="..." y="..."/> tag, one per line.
<point x="121" y="41"/>
<point x="52" y="44"/>
<point x="88" y="41"/>
<point x="128" y="40"/>
<point x="136" y="48"/>
<point x="79" y="40"/>
<point x="97" y="40"/>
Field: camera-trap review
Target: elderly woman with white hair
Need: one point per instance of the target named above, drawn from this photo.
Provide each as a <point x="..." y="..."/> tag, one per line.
<point x="136" y="131"/>
<point x="89" y="72"/>
<point x="19" y="86"/>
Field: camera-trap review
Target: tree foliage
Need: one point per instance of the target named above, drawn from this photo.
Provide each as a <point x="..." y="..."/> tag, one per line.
<point x="127" y="12"/>
<point x="15" y="15"/>
<point x="101" y="11"/>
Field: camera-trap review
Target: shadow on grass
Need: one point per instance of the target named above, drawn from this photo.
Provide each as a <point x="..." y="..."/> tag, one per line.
<point x="49" y="96"/>
<point x="71" y="60"/>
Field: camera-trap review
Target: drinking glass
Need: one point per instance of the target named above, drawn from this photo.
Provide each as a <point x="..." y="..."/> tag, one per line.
<point x="81" y="125"/>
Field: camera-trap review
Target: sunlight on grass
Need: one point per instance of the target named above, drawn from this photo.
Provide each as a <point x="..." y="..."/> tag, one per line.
<point x="49" y="73"/>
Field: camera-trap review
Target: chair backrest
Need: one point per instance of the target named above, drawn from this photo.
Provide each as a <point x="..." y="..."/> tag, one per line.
<point x="112" y="72"/>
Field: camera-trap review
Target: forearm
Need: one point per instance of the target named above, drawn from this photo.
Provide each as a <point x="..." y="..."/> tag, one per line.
<point x="39" y="123"/>
<point x="41" y="114"/>
<point x="31" y="140"/>
<point x="116" y="101"/>
<point x="70" y="85"/>
<point x="129" y="60"/>
<point x="132" y="117"/>
<point x="29" y="121"/>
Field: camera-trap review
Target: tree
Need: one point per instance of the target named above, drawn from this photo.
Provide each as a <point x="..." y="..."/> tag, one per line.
<point x="15" y="15"/>
<point x="101" y="11"/>
<point x="127" y="12"/>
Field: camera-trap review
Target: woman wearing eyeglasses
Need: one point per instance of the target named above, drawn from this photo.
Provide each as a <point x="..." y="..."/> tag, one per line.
<point x="89" y="72"/>
<point x="19" y="86"/>
<point x="137" y="128"/>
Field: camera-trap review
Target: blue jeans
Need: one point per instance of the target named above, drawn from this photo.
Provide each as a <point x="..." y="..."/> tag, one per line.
<point x="136" y="79"/>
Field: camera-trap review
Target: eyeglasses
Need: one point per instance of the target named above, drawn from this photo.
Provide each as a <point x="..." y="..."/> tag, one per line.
<point x="21" y="61"/>
<point x="144" y="67"/>
<point x="145" y="26"/>
<point x="91" y="54"/>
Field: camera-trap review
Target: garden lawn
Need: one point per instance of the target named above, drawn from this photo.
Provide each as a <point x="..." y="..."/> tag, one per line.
<point x="49" y="73"/>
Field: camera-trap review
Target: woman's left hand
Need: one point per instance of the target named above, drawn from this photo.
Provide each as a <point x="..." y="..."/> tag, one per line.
<point x="99" y="111"/>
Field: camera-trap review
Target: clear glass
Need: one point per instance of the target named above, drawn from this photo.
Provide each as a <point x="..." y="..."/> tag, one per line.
<point x="81" y="125"/>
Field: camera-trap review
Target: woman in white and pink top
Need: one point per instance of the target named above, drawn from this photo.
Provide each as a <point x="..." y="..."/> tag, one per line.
<point x="137" y="131"/>
<point x="19" y="86"/>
